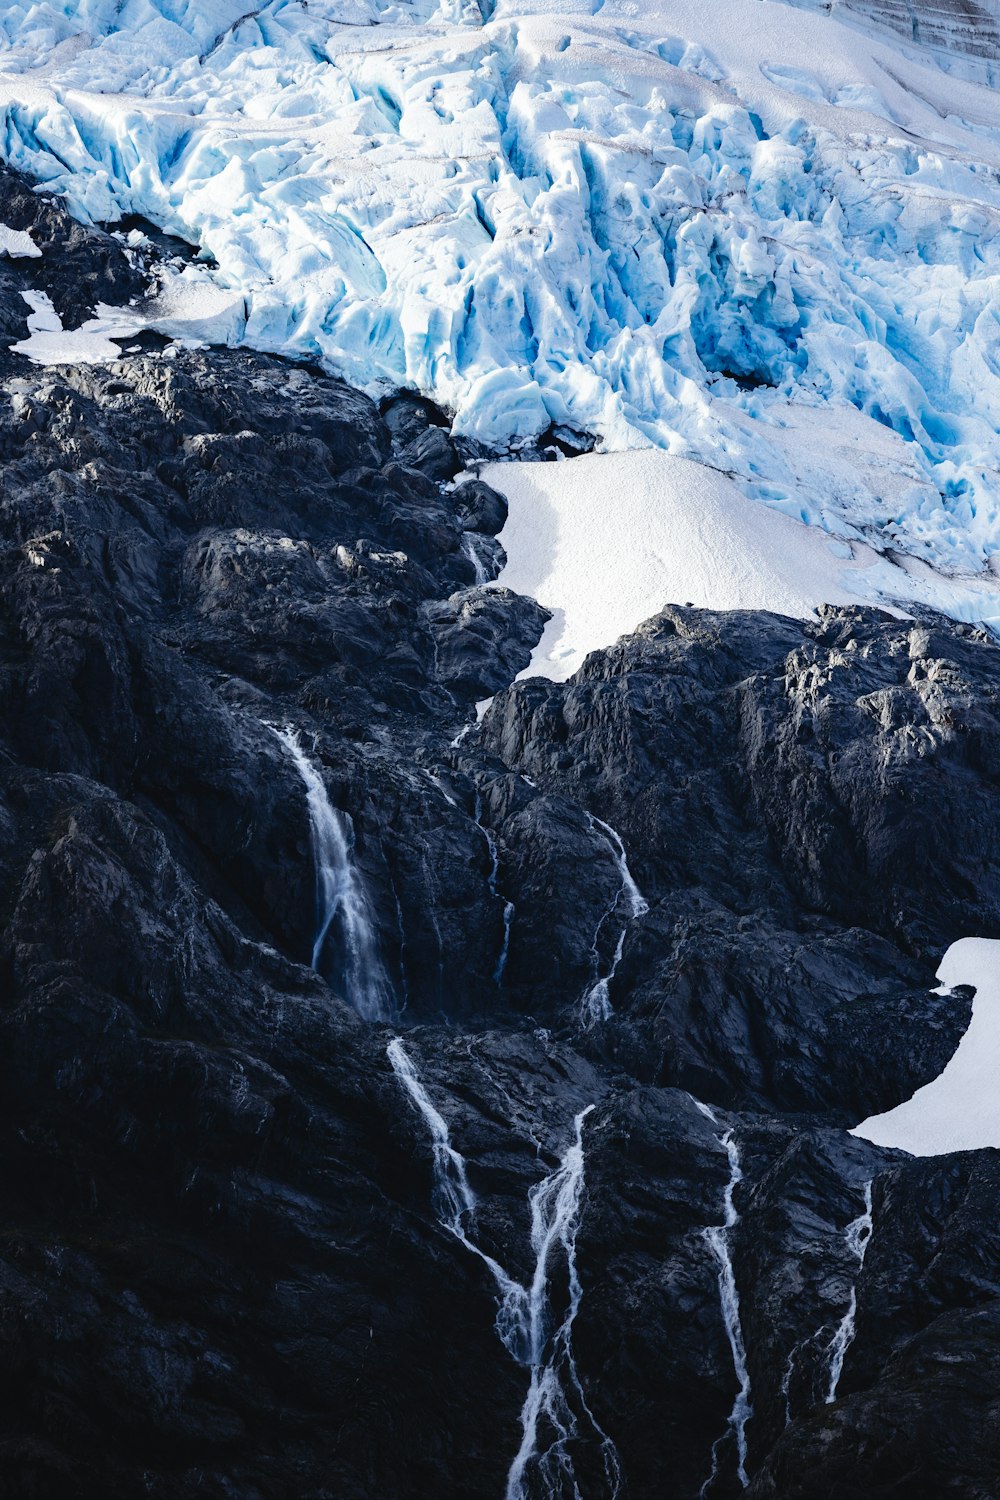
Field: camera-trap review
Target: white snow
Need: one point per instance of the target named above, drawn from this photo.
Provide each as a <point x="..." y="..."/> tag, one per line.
<point x="188" y="307"/>
<point x="191" y="308"/>
<point x="48" y="343"/>
<point x="606" y="540"/>
<point x="960" y="1110"/>
<point x="540" y="213"/>
<point x="18" y="244"/>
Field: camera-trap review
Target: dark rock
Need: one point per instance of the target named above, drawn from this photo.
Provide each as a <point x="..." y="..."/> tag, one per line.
<point x="77" y="268"/>
<point x="480" y="508"/>
<point x="705" y="733"/>
<point x="230" y="1263"/>
<point x="482" y="638"/>
<point x="420" y="438"/>
<point x="929" y="1428"/>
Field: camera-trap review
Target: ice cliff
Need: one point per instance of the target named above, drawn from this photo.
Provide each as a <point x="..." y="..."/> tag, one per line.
<point x="759" y="236"/>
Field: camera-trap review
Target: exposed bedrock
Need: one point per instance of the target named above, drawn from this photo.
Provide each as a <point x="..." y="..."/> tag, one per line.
<point x="649" y="940"/>
<point x="76" y="267"/>
<point x="810" y="813"/>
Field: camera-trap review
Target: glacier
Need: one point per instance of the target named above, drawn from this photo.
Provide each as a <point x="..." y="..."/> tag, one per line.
<point x="750" y="235"/>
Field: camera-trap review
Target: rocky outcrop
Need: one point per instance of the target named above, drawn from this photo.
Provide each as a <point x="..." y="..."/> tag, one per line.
<point x="651" y="939"/>
<point x="847" y="762"/>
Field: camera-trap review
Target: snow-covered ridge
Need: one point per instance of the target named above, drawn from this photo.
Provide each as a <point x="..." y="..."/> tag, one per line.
<point x="663" y="227"/>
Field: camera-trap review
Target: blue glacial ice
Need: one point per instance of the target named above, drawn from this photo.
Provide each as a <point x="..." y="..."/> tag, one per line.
<point x="749" y="234"/>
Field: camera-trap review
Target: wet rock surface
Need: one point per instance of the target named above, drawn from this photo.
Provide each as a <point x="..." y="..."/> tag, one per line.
<point x="684" y="910"/>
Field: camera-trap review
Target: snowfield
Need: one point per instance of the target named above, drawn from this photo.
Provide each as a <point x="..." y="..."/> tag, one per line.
<point x="697" y="228"/>
<point x="960" y="1110"/>
<point x="606" y="540"/>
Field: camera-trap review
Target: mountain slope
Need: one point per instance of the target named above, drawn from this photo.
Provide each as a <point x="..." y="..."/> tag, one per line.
<point x="577" y="1212"/>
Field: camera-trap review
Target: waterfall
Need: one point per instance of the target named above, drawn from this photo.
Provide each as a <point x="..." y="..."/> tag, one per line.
<point x="508" y="906"/>
<point x="454" y="1200"/>
<point x="717" y="1238"/>
<point x="455" y="1203"/>
<point x="858" y="1237"/>
<point x="786" y="1382"/>
<point x="555" y="1401"/>
<point x="555" y="1413"/>
<point x="638" y="905"/>
<point x="596" y="1003"/>
<point x="472" y="553"/>
<point x="404" y="984"/>
<point x="437" y="781"/>
<point x="341" y="901"/>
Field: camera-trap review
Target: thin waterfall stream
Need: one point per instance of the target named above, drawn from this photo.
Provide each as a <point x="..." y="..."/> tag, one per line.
<point x="717" y="1238"/>
<point x="508" y="906"/>
<point x="455" y="1202"/>
<point x="532" y="1328"/>
<point x="858" y="1236"/>
<point x="342" y="907"/>
<point x="556" y="1403"/>
<point x="596" y="1003"/>
<point x="472" y="553"/>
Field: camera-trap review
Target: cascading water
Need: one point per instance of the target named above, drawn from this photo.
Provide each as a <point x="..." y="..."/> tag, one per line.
<point x="555" y="1406"/>
<point x="508" y="906"/>
<point x="799" y="1362"/>
<point x="341" y="902"/>
<point x="455" y="1204"/>
<point x="596" y="1003"/>
<point x="441" y="786"/>
<point x="858" y="1237"/>
<point x="555" y="1415"/>
<point x="472" y="553"/>
<point x="786" y="1382"/>
<point x="717" y="1238"/>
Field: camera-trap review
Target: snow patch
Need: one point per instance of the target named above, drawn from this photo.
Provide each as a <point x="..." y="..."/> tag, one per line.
<point x="18" y="244"/>
<point x="48" y="343"/>
<point x="188" y="307"/>
<point x="606" y="540"/>
<point x="960" y="1109"/>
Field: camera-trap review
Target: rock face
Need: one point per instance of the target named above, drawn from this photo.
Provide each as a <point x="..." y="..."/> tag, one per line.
<point x="847" y="762"/>
<point x="650" y="940"/>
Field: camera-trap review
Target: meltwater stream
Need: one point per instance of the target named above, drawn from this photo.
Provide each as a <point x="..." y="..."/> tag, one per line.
<point x="555" y="1408"/>
<point x="717" y="1238"/>
<point x="534" y="1325"/>
<point x="596" y="1003"/>
<point x="508" y="906"/>
<point x="342" y="909"/>
<point x="858" y="1237"/>
<point x="455" y="1202"/>
<point x="472" y="553"/>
